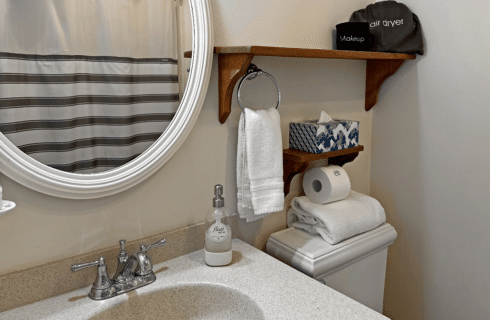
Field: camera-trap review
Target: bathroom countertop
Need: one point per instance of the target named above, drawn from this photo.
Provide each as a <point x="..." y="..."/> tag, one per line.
<point x="278" y="291"/>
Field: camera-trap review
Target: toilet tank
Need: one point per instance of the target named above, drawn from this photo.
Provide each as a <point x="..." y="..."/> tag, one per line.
<point x="355" y="267"/>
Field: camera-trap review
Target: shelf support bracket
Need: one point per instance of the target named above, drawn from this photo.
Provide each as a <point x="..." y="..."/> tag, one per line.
<point x="377" y="71"/>
<point x="292" y="168"/>
<point x="231" y="67"/>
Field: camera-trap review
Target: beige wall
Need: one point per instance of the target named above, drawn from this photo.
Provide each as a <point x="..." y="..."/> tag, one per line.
<point x="430" y="171"/>
<point x="43" y="228"/>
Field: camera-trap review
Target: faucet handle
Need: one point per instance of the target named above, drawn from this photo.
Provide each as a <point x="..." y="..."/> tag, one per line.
<point x="77" y="267"/>
<point x="102" y="281"/>
<point x="159" y="243"/>
<point x="145" y="266"/>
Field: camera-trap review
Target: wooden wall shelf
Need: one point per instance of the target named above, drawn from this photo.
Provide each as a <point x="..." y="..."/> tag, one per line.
<point x="296" y="161"/>
<point x="234" y="61"/>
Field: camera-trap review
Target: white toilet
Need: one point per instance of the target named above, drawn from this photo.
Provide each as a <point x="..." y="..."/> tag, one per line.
<point x="355" y="267"/>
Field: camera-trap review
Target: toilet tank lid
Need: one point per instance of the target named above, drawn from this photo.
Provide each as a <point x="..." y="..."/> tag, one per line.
<point x="314" y="247"/>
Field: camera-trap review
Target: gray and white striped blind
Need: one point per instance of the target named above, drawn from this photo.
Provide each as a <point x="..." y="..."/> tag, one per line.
<point x="85" y="114"/>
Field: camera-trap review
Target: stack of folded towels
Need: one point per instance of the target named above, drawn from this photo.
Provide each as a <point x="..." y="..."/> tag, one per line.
<point x="336" y="221"/>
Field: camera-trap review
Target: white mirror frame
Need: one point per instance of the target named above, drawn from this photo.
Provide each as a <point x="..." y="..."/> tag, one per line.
<point x="35" y="175"/>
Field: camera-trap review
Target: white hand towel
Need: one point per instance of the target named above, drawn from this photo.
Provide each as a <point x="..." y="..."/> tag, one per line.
<point x="339" y="220"/>
<point x="259" y="164"/>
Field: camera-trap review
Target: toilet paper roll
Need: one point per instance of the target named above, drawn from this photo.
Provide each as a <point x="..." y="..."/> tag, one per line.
<point x="326" y="184"/>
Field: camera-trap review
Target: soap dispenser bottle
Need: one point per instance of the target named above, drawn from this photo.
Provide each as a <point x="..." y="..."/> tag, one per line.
<point x="217" y="242"/>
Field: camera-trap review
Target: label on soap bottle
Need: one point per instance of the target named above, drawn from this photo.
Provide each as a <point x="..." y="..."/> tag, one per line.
<point x="218" y="232"/>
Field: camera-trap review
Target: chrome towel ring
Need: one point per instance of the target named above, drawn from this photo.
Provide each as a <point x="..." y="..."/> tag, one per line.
<point x="252" y="73"/>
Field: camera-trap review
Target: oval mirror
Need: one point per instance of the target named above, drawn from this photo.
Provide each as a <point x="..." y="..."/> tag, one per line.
<point x="32" y="173"/>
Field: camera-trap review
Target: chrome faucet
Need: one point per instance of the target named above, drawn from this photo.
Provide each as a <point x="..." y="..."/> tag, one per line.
<point x="132" y="272"/>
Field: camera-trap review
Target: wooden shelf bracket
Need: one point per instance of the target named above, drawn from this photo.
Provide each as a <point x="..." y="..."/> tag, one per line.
<point x="231" y="67"/>
<point x="377" y="71"/>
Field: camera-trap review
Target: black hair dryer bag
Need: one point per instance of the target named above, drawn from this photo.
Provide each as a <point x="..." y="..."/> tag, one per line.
<point x="392" y="26"/>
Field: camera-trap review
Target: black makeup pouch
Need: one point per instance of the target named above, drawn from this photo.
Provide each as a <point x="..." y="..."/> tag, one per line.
<point x="392" y="27"/>
<point x="353" y="36"/>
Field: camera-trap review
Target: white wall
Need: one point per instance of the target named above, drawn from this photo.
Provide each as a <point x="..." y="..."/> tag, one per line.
<point x="44" y="228"/>
<point x="429" y="167"/>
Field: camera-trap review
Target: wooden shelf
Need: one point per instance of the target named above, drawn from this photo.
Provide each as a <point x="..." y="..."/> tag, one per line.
<point x="311" y="53"/>
<point x="234" y="61"/>
<point x="296" y="161"/>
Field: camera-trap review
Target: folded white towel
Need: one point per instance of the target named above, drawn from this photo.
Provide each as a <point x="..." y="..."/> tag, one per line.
<point x="259" y="164"/>
<point x="339" y="220"/>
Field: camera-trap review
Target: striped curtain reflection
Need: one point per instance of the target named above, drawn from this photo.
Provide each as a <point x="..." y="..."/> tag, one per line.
<point x="83" y="113"/>
<point x="86" y="86"/>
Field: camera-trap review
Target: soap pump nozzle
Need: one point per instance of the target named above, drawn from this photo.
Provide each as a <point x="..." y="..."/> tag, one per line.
<point x="218" y="200"/>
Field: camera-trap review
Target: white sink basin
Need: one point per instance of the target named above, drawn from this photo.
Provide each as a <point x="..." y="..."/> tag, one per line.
<point x="186" y="301"/>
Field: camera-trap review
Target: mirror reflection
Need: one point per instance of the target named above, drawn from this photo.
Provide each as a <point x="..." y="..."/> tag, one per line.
<point x="87" y="86"/>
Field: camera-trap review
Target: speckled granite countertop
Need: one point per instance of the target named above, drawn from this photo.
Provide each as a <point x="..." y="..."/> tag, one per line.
<point x="254" y="286"/>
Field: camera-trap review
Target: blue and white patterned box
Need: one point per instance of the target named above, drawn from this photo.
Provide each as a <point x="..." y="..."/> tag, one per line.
<point x="334" y="135"/>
